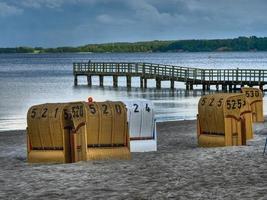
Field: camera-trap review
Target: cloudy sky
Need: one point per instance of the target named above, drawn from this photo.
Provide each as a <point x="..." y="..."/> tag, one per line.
<point x="51" y="23"/>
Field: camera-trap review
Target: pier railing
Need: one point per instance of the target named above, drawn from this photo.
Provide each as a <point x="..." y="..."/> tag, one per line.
<point x="190" y="76"/>
<point x="168" y="72"/>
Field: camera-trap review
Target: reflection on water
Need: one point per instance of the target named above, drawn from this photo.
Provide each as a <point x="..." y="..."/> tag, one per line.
<point x="169" y="105"/>
<point x="27" y="79"/>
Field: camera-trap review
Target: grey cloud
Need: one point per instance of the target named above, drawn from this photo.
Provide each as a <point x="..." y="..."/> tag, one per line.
<point x="97" y="21"/>
<point x="109" y="20"/>
<point x="182" y="19"/>
<point x="8" y="10"/>
<point x="55" y="3"/>
<point x="42" y="3"/>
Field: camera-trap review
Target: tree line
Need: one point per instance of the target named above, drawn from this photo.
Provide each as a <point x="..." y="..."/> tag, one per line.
<point x="252" y="43"/>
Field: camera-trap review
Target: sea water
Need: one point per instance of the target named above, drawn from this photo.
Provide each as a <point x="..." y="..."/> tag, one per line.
<point x="28" y="79"/>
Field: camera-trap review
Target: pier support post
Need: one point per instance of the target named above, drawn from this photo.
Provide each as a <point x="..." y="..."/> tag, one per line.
<point x="141" y="82"/>
<point x="203" y="87"/>
<point x="75" y="80"/>
<point x="89" y="80"/>
<point x="230" y="88"/>
<point x="217" y="87"/>
<point x="145" y="82"/>
<point x="187" y="86"/>
<point x="172" y="84"/>
<point x="101" y="81"/>
<point x="261" y="88"/>
<point x="191" y="86"/>
<point x="115" y="81"/>
<point x="235" y="87"/>
<point x="128" y="81"/>
<point x="158" y="83"/>
<point x="224" y="87"/>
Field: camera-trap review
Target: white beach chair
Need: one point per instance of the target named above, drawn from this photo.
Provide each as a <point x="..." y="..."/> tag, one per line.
<point x="142" y="125"/>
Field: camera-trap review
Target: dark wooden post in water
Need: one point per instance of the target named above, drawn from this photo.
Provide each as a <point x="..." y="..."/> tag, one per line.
<point x="158" y="83"/>
<point x="75" y="80"/>
<point x="230" y="88"/>
<point x="191" y="86"/>
<point x="101" y="81"/>
<point x="261" y="87"/>
<point x="172" y="84"/>
<point x="89" y="80"/>
<point x="141" y="82"/>
<point x="234" y="87"/>
<point x="115" y="81"/>
<point x="224" y="87"/>
<point x="128" y="81"/>
<point x="203" y="87"/>
<point x="217" y="87"/>
<point x="145" y="82"/>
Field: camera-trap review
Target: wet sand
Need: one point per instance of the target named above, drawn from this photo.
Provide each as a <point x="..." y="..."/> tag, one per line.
<point x="179" y="170"/>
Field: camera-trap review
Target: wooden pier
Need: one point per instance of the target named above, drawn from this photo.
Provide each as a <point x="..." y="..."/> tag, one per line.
<point x="228" y="79"/>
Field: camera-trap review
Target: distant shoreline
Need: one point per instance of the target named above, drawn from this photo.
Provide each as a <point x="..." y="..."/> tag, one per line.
<point x="240" y="44"/>
<point x="43" y="53"/>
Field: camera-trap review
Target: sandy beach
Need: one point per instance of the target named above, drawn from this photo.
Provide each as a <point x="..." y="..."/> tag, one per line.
<point x="178" y="170"/>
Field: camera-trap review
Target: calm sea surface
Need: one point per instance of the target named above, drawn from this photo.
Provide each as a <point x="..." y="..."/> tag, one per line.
<point x="28" y="79"/>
